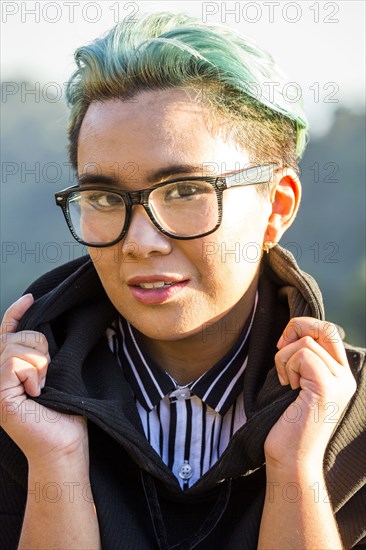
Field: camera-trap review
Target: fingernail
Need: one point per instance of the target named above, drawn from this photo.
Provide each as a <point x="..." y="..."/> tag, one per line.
<point x="43" y="383"/>
<point x="282" y="380"/>
<point x="280" y="342"/>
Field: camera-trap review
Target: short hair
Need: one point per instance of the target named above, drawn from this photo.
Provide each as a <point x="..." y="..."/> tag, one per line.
<point x="225" y="71"/>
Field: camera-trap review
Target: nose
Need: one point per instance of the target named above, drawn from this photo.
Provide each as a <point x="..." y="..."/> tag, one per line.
<point x="143" y="239"/>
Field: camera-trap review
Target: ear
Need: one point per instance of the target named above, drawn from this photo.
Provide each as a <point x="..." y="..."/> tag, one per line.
<point x="285" y="199"/>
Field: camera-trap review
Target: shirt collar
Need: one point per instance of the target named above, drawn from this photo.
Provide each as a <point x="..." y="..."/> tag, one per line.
<point x="218" y="387"/>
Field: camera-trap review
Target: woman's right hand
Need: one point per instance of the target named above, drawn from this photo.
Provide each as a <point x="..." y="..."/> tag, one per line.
<point x="40" y="433"/>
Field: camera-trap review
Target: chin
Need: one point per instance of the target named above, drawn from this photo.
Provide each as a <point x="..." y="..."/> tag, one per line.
<point x="168" y="331"/>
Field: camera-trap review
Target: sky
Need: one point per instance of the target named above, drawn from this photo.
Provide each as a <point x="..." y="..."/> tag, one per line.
<point x="319" y="45"/>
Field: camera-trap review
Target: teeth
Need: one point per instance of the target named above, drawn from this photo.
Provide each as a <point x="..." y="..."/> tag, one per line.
<point x="158" y="284"/>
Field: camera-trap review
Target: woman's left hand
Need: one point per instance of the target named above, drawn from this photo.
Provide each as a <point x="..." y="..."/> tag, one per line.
<point x="311" y="357"/>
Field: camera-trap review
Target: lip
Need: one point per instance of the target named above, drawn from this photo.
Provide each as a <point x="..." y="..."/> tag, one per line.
<point x="138" y="279"/>
<point x="153" y="296"/>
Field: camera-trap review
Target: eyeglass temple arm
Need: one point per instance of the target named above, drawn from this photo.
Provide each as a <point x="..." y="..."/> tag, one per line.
<point x="251" y="176"/>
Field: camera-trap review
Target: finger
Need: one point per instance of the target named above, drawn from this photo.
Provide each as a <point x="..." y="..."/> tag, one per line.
<point x="29" y="339"/>
<point x="326" y="334"/>
<point x="283" y="357"/>
<point x="15" y="312"/>
<point x="17" y="377"/>
<point x="305" y="366"/>
<point x="33" y="356"/>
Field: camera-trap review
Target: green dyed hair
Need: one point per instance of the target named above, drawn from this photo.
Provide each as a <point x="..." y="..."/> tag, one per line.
<point x="226" y="71"/>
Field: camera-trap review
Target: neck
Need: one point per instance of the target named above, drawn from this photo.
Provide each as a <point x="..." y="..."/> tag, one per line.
<point x="187" y="359"/>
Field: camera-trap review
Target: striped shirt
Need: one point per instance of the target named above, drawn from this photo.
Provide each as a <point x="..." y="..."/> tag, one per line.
<point x="189" y="426"/>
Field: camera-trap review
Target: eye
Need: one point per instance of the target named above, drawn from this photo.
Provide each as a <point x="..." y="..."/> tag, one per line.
<point x="102" y="200"/>
<point x="185" y="190"/>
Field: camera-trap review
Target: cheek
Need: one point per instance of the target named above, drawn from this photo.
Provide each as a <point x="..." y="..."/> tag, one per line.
<point x="238" y="241"/>
<point x="229" y="267"/>
<point x="106" y="263"/>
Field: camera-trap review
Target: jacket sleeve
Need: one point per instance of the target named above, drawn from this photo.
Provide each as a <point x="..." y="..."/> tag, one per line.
<point x="12" y="506"/>
<point x="347" y="460"/>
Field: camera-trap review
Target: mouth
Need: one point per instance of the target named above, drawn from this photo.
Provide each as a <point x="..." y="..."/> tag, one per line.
<point x="155" y="291"/>
<point x="157" y="284"/>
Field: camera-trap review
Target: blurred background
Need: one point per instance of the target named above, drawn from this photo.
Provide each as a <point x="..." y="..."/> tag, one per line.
<point x="319" y="45"/>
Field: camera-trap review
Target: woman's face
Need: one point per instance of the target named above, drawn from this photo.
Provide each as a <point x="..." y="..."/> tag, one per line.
<point x="213" y="276"/>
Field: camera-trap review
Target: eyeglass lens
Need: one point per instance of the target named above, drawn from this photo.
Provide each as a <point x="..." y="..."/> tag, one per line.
<point x="183" y="209"/>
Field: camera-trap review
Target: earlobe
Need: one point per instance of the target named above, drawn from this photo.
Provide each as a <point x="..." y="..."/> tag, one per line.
<point x="285" y="199"/>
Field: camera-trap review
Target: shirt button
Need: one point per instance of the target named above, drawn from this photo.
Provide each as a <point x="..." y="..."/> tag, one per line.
<point x="186" y="471"/>
<point x="181" y="394"/>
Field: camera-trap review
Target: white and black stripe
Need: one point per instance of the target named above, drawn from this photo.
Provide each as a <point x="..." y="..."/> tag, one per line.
<point x="190" y="432"/>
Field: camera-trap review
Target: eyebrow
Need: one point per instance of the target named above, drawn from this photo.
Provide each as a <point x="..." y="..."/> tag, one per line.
<point x="154" y="177"/>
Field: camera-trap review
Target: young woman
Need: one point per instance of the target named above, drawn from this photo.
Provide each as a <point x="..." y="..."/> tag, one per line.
<point x="179" y="388"/>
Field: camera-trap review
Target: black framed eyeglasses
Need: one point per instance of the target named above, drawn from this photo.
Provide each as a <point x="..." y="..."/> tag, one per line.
<point x="182" y="208"/>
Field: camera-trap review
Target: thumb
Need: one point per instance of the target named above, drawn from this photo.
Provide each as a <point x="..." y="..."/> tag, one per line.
<point x="14" y="314"/>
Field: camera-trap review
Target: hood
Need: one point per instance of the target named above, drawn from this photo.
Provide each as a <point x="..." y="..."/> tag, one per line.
<point x="73" y="311"/>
